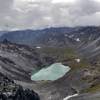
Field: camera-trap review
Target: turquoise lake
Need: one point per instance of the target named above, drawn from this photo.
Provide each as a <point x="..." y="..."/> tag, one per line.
<point x="53" y="72"/>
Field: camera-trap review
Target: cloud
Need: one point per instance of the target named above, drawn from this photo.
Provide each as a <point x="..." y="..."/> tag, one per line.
<point x="22" y="14"/>
<point x="63" y="1"/>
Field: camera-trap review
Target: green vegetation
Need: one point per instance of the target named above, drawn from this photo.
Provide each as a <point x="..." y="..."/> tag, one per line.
<point x="65" y="55"/>
<point x="92" y="89"/>
<point x="59" y="53"/>
<point x="82" y="64"/>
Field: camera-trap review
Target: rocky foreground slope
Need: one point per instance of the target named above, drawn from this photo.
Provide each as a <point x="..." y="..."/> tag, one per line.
<point x="9" y="90"/>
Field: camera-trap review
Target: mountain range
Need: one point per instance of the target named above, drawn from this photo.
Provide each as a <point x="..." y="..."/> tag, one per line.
<point x="25" y="52"/>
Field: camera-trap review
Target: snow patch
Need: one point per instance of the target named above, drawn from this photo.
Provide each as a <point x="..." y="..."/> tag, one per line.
<point x="38" y="47"/>
<point x="78" y="60"/>
<point x="71" y="36"/>
<point x="78" y="39"/>
<point x="70" y="96"/>
<point x="66" y="35"/>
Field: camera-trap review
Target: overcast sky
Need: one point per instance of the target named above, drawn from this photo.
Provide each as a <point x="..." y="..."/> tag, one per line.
<point x="34" y="14"/>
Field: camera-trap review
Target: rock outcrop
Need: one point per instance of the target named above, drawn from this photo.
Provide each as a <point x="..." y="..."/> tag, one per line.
<point x="12" y="91"/>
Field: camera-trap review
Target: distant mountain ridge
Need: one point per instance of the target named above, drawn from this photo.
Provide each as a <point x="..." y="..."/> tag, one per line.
<point x="85" y="39"/>
<point x="40" y="37"/>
